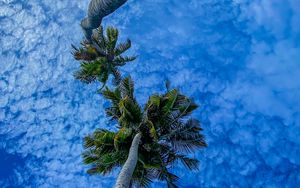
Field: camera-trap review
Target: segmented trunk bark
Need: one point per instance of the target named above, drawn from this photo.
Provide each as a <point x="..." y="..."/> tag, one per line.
<point x="125" y="175"/>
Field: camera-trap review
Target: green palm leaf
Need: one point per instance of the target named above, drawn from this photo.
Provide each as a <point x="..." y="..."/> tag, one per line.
<point x="122" y="137"/>
<point x="186" y="137"/>
<point x="113" y="96"/>
<point x="191" y="164"/>
<point x="107" y="162"/>
<point x="169" y="100"/>
<point x="141" y="176"/>
<point x="127" y="87"/>
<point x="122" y="47"/>
<point x="130" y="112"/>
<point x="112" y="35"/>
<point x="121" y="61"/>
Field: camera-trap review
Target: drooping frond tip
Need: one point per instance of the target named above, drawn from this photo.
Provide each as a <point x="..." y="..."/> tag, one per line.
<point x="168" y="84"/>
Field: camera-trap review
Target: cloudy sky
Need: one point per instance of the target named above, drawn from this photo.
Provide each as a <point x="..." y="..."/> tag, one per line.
<point x="239" y="59"/>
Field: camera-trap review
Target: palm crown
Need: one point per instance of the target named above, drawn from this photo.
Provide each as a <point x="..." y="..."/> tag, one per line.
<point x="168" y="135"/>
<point x="101" y="56"/>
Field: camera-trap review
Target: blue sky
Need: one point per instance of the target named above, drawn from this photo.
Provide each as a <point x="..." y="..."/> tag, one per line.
<point x="239" y="59"/>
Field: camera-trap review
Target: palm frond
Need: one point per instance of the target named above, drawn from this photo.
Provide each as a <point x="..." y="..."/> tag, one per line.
<point x="185" y="105"/>
<point x="89" y="157"/>
<point x="130" y="112"/>
<point x="86" y="53"/>
<point x="92" y="71"/>
<point x="122" y="137"/>
<point x="113" y="112"/>
<point x="127" y="87"/>
<point x="163" y="174"/>
<point x="100" y="138"/>
<point x="122" y="60"/>
<point x="103" y="76"/>
<point x="105" y="163"/>
<point x="112" y="35"/>
<point x="191" y="164"/>
<point x="89" y="142"/>
<point x="100" y="41"/>
<point x="84" y="76"/>
<point x="141" y="176"/>
<point x="168" y="84"/>
<point x="172" y="185"/>
<point x="154" y="100"/>
<point x="122" y="47"/>
<point x="152" y="130"/>
<point x="100" y="143"/>
<point x="117" y="76"/>
<point x="170" y="99"/>
<point x="113" y="96"/>
<point x="186" y="137"/>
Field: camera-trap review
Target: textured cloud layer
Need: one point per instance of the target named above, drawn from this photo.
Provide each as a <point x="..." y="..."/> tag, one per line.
<point x="238" y="59"/>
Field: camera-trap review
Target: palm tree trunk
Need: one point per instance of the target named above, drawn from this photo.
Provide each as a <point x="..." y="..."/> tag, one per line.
<point x="97" y="10"/>
<point x="125" y="175"/>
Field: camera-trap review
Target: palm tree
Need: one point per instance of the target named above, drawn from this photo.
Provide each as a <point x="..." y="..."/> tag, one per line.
<point x="101" y="56"/>
<point x="149" y="141"/>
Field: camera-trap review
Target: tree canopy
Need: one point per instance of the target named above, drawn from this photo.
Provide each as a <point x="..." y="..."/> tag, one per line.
<point x="169" y="135"/>
<point x="102" y="56"/>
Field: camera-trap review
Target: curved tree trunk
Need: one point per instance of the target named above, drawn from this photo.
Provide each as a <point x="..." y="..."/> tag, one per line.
<point x="125" y="175"/>
<point x="97" y="10"/>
